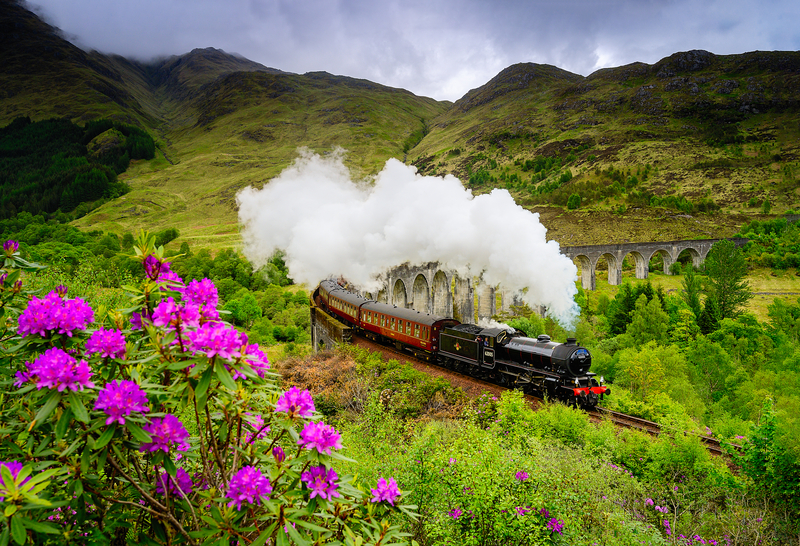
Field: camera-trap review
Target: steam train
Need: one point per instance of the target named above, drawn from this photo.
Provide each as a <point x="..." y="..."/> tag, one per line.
<point x="537" y="366"/>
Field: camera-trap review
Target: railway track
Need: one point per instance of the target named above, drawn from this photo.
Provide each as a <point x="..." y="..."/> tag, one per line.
<point x="474" y="387"/>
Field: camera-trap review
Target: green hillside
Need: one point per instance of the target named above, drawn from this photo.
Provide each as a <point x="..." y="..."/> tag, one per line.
<point x="692" y="146"/>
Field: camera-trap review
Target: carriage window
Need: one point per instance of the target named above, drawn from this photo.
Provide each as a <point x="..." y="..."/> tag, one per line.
<point x="383" y="321"/>
<point x="416" y="330"/>
<point x="393" y="325"/>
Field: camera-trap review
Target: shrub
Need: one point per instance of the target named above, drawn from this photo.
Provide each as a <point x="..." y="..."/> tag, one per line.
<point x="161" y="424"/>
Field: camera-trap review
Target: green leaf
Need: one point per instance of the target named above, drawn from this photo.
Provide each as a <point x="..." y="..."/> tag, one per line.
<point x="76" y="404"/>
<point x="169" y="466"/>
<point x="225" y="377"/>
<point x="48" y="408"/>
<point x="63" y="424"/>
<point x="204" y="383"/>
<point x="137" y="432"/>
<point x="104" y="438"/>
<point x="18" y="531"/>
<point x="39" y="526"/>
<point x="262" y="538"/>
<point x="10" y="510"/>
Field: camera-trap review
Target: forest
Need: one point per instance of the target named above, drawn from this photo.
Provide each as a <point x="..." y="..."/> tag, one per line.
<point x="56" y="165"/>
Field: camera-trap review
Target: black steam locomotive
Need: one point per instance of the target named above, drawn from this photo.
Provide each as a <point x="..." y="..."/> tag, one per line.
<point x="539" y="366"/>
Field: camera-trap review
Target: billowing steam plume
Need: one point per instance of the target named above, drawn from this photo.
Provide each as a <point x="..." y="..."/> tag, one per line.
<point x="328" y="225"/>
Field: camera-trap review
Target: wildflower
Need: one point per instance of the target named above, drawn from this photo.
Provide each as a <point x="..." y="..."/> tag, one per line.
<point x="296" y="403"/>
<point x="649" y="502"/>
<point x="137" y="320"/>
<point x="321" y="436"/>
<point x="215" y="339"/>
<point x="667" y="527"/>
<point x="250" y="485"/>
<point x="14" y="467"/>
<point x="453" y="461"/>
<point x="201" y="293"/>
<point x="279" y="454"/>
<point x="55" y="369"/>
<point x="321" y="482"/>
<point x="171" y="315"/>
<point x="522" y="510"/>
<point x="544" y="512"/>
<point x="555" y="525"/>
<point x="522" y="476"/>
<point x="455" y="513"/>
<point x="10" y="247"/>
<point x="386" y="491"/>
<point x="109" y="343"/>
<point x="153" y="267"/>
<point x="181" y="485"/>
<point x="165" y="431"/>
<point x="52" y="314"/>
<point x="119" y="399"/>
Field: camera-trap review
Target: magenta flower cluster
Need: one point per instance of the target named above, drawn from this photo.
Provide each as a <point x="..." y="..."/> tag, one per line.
<point x="10" y="247"/>
<point x="522" y="476"/>
<point x="119" y="399"/>
<point x="170" y="315"/>
<point x="164" y="432"/>
<point x="555" y="525"/>
<point x="321" y="482"/>
<point x="201" y="293"/>
<point x="55" y="369"/>
<point x="248" y="485"/>
<point x="386" y="491"/>
<point x="296" y="403"/>
<point x="180" y="486"/>
<point x="53" y="314"/>
<point x="107" y="343"/>
<point x="320" y="436"/>
<point x="216" y="339"/>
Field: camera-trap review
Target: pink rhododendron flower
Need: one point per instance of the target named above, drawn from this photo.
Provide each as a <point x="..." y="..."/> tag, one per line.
<point x="321" y="482"/>
<point x="320" y="436"/>
<point x="55" y="369"/>
<point x="386" y="491"/>
<point x="108" y="343"/>
<point x="248" y="485"/>
<point x="296" y="403"/>
<point x="165" y="431"/>
<point x="119" y="399"/>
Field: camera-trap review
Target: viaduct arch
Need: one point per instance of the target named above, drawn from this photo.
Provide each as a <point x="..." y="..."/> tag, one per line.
<point x="588" y="256"/>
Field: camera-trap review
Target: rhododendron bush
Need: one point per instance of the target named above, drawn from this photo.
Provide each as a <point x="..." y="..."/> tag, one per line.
<point x="161" y="424"/>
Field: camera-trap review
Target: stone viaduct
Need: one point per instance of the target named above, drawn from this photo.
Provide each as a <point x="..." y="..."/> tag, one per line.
<point x="430" y="289"/>
<point x="588" y="257"/>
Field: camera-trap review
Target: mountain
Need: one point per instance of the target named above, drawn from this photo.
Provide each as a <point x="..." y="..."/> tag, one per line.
<point x="649" y="149"/>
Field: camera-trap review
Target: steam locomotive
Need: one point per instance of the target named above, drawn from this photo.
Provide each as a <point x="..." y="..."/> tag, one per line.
<point x="538" y="366"/>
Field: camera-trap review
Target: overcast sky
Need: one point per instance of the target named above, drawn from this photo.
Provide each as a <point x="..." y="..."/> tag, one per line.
<point x="434" y="48"/>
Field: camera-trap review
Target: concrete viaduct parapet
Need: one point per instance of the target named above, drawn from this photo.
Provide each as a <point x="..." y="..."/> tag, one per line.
<point x="589" y="255"/>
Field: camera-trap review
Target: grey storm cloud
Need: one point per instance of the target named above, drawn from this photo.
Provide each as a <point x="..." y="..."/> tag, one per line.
<point x="435" y="48"/>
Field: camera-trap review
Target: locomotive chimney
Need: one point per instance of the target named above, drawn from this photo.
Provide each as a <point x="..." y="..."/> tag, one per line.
<point x="571" y="341"/>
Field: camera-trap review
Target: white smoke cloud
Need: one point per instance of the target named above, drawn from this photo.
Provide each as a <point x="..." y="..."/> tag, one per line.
<point x="329" y="225"/>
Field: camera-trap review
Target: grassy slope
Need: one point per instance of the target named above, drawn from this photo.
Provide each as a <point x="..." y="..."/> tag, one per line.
<point x="629" y="117"/>
<point x="244" y="129"/>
